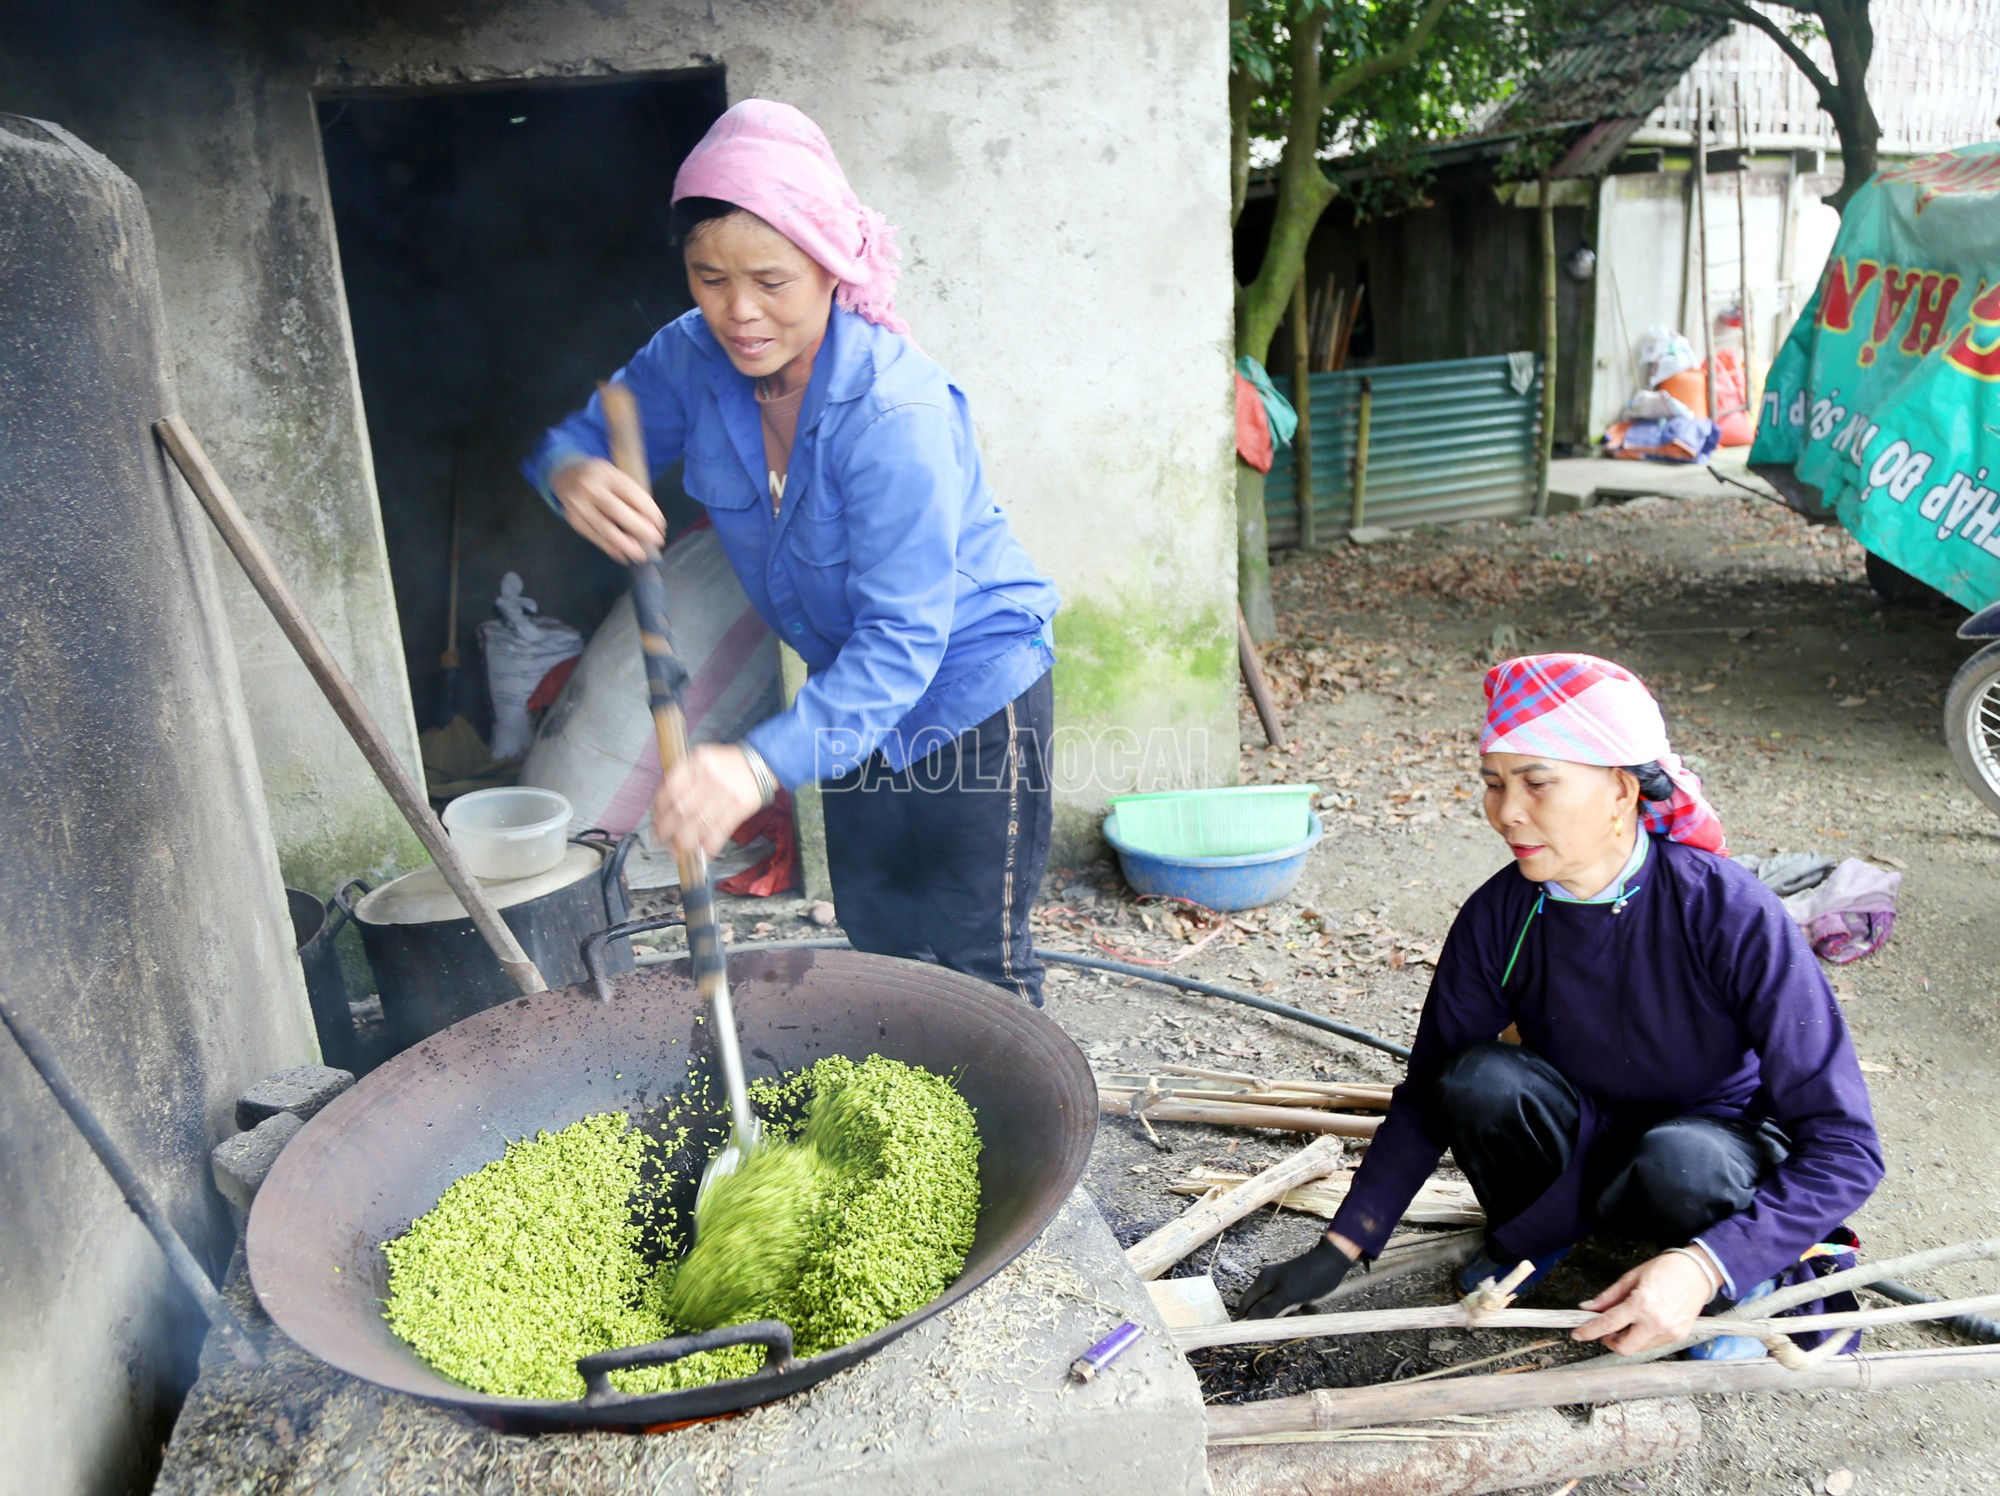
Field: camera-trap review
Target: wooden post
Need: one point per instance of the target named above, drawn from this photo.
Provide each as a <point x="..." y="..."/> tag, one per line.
<point x="187" y="454"/>
<point x="1521" y="1451"/>
<point x="1302" y="463"/>
<point x="1704" y="309"/>
<point x="1545" y="211"/>
<point x="1252" y="665"/>
<point x="1743" y="250"/>
<point x="1360" y="509"/>
<point x="1151" y="1257"/>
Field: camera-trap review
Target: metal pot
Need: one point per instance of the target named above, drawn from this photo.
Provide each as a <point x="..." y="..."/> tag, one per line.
<point x="431" y="966"/>
<point x="326" y="986"/>
<point x="382" y="1154"/>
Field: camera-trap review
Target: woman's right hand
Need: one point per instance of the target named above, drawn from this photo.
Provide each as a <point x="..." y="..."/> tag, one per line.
<point x="609" y="510"/>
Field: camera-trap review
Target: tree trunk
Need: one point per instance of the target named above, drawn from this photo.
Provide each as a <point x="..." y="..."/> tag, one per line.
<point x="1303" y="193"/>
<point x="1242" y="93"/>
<point x="1851" y="37"/>
<point x="1253" y="555"/>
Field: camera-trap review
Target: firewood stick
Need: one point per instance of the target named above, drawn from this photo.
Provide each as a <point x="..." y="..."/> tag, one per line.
<point x="1273" y="1097"/>
<point x="1151" y="1257"/>
<point x="1458" y="1317"/>
<point x="1355" y="1088"/>
<point x="1437" y="1203"/>
<point x="1591" y="1384"/>
<point x="1231" y="1114"/>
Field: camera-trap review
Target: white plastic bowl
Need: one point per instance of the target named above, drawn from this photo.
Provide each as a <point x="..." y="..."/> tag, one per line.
<point x="511" y="832"/>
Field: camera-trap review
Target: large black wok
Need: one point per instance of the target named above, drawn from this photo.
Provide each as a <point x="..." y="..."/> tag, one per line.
<point x="382" y="1154"/>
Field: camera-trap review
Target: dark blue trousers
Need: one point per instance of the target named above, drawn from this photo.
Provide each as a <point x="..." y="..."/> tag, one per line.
<point x="1513" y="1121"/>
<point x="941" y="861"/>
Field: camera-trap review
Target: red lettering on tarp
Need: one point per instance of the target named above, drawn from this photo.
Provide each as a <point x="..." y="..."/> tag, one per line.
<point x="1897" y="284"/>
<point x="1965" y="354"/>
<point x="1839" y="294"/>
<point x="1948" y="173"/>
<point x="1933" y="307"/>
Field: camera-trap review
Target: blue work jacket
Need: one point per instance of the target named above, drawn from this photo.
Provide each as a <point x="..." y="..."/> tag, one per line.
<point x="889" y="567"/>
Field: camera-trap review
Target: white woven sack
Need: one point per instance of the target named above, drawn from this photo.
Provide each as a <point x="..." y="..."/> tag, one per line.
<point x="596" y="745"/>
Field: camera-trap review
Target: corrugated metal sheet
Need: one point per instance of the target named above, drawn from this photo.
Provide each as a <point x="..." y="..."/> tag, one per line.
<point x="1446" y="441"/>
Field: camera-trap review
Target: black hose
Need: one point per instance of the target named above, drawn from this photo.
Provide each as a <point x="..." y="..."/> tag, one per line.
<point x="1971" y="1326"/>
<point x="1125" y="968"/>
<point x="1231" y="994"/>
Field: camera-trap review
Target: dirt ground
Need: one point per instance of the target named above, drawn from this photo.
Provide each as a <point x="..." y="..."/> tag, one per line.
<point x="1811" y="710"/>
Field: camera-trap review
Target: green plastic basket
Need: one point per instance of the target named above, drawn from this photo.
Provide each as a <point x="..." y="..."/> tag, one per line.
<point x="1233" y="822"/>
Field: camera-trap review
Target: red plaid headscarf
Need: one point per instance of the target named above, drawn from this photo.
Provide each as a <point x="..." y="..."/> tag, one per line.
<point x="1583" y="710"/>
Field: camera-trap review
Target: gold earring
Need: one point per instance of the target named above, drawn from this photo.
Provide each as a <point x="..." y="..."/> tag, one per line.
<point x="1618" y="825"/>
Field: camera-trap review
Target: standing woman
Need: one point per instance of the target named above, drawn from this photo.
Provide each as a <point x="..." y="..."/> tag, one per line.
<point x="838" y="467"/>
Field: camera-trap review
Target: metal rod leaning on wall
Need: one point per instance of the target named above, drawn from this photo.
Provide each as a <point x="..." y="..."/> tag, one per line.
<point x="1355" y="517"/>
<point x="188" y="456"/>
<point x="186" y="1270"/>
<point x="1302" y="463"/>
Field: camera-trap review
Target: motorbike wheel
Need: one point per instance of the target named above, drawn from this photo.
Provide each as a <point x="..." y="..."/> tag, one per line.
<point x="1972" y="723"/>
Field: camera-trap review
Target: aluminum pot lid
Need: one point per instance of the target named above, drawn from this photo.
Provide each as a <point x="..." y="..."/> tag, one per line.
<point x="424" y="898"/>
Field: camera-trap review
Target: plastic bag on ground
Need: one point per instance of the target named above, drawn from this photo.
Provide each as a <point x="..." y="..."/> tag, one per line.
<point x="1664" y="353"/>
<point x="1851" y="913"/>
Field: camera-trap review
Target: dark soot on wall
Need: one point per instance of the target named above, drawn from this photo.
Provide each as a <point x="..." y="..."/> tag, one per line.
<point x="503" y="249"/>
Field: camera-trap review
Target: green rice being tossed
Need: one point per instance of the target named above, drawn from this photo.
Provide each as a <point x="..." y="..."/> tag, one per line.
<point x="862" y="1214"/>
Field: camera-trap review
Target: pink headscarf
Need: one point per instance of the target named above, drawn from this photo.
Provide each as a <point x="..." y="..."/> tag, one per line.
<point x="771" y="160"/>
<point x="1583" y="710"/>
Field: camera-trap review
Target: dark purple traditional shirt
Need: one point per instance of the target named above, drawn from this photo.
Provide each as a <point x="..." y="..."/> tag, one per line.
<point x="1697" y="996"/>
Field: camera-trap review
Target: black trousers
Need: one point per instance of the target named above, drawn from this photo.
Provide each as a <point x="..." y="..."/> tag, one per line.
<point x="941" y="861"/>
<point x="1513" y="1121"/>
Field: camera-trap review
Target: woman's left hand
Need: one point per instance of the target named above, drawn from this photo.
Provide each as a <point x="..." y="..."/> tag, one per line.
<point x="711" y="792"/>
<point x="1655" y="1304"/>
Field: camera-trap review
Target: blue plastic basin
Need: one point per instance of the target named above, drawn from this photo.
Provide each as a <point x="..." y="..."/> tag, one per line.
<point x="1215" y="882"/>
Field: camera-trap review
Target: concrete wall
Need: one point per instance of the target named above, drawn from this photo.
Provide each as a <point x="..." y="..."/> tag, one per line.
<point x="217" y="128"/>
<point x="142" y="926"/>
<point x="1059" y="175"/>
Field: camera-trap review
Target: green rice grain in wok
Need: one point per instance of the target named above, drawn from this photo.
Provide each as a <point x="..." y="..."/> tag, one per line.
<point x="854" y="1217"/>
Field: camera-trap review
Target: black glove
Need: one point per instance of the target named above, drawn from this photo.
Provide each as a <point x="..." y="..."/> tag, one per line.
<point x="1286" y="1285"/>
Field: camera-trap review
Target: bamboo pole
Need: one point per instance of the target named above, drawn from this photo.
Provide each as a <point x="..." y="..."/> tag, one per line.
<point x="187" y="454"/>
<point x="1459" y="1317"/>
<point x="1743" y="244"/>
<point x="1357" y="515"/>
<point x="1545" y="214"/>
<point x="1302" y="462"/>
<point x="1152" y="1256"/>
<point x="1236" y="1114"/>
<point x="1706" y="311"/>
<point x="1593" y="1384"/>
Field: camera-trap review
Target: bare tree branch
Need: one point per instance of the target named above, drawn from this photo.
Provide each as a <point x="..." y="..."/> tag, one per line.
<point x="1736" y="10"/>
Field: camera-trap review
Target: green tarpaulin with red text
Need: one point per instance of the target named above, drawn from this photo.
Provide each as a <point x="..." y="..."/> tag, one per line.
<point x="1884" y="404"/>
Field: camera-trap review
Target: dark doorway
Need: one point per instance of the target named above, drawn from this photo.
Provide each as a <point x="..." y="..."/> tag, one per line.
<point x="503" y="248"/>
